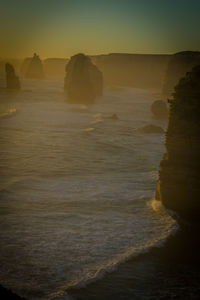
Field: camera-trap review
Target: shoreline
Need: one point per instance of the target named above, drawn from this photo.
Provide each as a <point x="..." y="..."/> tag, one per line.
<point x="171" y="271"/>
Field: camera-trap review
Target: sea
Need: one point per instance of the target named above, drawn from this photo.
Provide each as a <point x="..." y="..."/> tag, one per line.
<point x="77" y="188"/>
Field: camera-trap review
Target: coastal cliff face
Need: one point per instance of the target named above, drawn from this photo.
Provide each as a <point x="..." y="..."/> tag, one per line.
<point x="83" y="80"/>
<point x="144" y="71"/>
<point x="179" y="180"/>
<point x="55" y="66"/>
<point x="179" y="64"/>
<point x="12" y="81"/>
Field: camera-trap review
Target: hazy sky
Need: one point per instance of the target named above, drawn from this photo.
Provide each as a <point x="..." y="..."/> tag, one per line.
<point x="61" y="28"/>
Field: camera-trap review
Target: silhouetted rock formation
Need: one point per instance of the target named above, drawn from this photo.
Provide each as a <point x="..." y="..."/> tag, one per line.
<point x="12" y="81"/>
<point x="145" y="71"/>
<point x="83" y="81"/>
<point x="178" y="66"/>
<point x="179" y="183"/>
<point x="35" y="68"/>
<point x="159" y="109"/>
<point x="14" y="62"/>
<point x="152" y="129"/>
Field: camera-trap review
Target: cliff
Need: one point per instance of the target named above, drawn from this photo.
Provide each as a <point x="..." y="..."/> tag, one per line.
<point x="83" y="80"/>
<point x="12" y="81"/>
<point x="34" y="68"/>
<point x="145" y="71"/>
<point x="55" y="66"/>
<point x="179" y="179"/>
<point x="179" y="64"/>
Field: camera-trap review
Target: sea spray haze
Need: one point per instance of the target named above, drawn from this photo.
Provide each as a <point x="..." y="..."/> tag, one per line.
<point x="75" y="187"/>
<point x="80" y="165"/>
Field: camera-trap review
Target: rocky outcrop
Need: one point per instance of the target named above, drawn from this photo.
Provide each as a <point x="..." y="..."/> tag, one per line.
<point x="178" y="66"/>
<point x="12" y="81"/>
<point x="83" y="80"/>
<point x="159" y="109"/>
<point x="14" y="62"/>
<point x="179" y="179"/>
<point x="152" y="129"/>
<point x="34" y="68"/>
<point x="145" y="71"/>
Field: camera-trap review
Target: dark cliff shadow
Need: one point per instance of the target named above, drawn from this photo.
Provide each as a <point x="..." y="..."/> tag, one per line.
<point x="165" y="273"/>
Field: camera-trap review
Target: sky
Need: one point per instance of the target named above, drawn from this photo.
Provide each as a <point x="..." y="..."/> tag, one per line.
<point x="61" y="28"/>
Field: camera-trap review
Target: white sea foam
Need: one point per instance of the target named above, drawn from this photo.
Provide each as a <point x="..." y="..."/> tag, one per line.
<point x="89" y="129"/>
<point x="113" y="264"/>
<point x="8" y="112"/>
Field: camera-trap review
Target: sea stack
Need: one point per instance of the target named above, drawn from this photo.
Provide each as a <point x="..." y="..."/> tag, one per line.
<point x="178" y="66"/>
<point x="83" y="80"/>
<point x="179" y="179"/>
<point x="35" y="68"/>
<point x="12" y="81"/>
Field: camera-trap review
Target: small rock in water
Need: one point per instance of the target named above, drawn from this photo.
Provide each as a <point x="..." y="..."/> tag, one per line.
<point x="113" y="117"/>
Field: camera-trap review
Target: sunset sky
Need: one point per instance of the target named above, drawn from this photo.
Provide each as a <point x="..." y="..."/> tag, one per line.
<point x="61" y="28"/>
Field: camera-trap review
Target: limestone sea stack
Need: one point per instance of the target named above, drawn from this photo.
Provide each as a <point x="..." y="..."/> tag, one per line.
<point x="12" y="81"/>
<point x="179" y="64"/>
<point x="83" y="80"/>
<point x="35" y="68"/>
<point x="179" y="179"/>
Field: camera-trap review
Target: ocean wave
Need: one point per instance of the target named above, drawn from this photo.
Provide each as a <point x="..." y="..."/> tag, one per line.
<point x="8" y="113"/>
<point x="89" y="129"/>
<point x="112" y="265"/>
<point x="96" y="121"/>
<point x="97" y="118"/>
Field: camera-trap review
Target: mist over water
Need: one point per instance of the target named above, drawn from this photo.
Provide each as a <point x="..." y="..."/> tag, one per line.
<point x="75" y="187"/>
